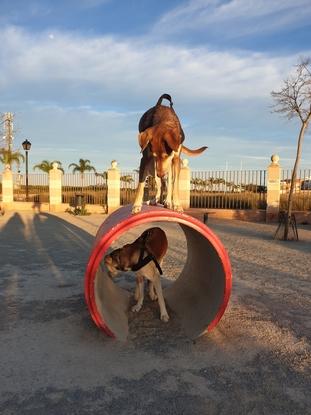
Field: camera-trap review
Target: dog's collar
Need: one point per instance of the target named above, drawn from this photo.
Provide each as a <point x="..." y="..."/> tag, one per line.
<point x="145" y="260"/>
<point x="142" y="261"/>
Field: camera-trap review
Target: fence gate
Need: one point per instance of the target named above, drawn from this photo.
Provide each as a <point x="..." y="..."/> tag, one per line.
<point x="237" y="189"/>
<point x="91" y="187"/>
<point x="38" y="187"/>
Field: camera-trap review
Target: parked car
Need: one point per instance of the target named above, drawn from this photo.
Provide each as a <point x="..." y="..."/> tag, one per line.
<point x="306" y="184"/>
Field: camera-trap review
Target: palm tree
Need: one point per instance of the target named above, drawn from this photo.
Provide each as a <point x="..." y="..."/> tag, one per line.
<point x="46" y="166"/>
<point x="104" y="175"/>
<point x="8" y="157"/>
<point x="218" y="181"/>
<point x="127" y="179"/>
<point x="230" y="185"/>
<point x="82" y="167"/>
<point x="212" y="182"/>
<point x="197" y="183"/>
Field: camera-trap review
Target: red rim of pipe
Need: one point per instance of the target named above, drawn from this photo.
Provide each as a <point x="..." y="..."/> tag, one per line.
<point x="139" y="219"/>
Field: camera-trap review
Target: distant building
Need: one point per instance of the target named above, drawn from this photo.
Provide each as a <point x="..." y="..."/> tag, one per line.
<point x="285" y="185"/>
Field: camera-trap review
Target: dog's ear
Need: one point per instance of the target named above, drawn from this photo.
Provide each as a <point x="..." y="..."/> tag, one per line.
<point x="144" y="138"/>
<point x="172" y="138"/>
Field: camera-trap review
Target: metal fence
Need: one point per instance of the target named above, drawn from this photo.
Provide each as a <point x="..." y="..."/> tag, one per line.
<point x="38" y="187"/>
<point x="91" y="187"/>
<point x="128" y="185"/>
<point x="239" y="189"/>
<point x="302" y="189"/>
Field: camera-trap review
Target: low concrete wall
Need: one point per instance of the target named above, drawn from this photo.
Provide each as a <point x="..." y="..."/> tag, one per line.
<point x="303" y="217"/>
<point x="247" y="215"/>
<point x="46" y="207"/>
<point x="25" y="206"/>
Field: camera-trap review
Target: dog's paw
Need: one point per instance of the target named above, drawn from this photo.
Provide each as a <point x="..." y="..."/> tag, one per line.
<point x="178" y="208"/>
<point x="152" y="202"/>
<point x="136" y="209"/>
<point x="136" y="308"/>
<point x="168" y="205"/>
<point x="165" y="317"/>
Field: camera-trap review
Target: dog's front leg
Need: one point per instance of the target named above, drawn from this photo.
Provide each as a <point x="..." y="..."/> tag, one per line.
<point x="158" y="288"/>
<point x="138" y="198"/>
<point x="159" y="189"/>
<point x="139" y="293"/>
<point x="168" y="202"/>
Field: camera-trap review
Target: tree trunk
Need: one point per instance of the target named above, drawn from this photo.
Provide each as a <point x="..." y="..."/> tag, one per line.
<point x="293" y="180"/>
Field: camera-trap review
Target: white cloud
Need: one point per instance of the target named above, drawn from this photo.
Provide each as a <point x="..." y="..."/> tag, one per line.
<point x="235" y="18"/>
<point x="103" y="68"/>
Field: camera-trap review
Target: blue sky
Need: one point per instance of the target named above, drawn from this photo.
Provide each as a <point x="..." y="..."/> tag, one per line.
<point x="78" y="74"/>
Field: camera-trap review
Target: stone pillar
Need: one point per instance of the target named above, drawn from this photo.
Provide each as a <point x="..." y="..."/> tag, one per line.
<point x="113" y="183"/>
<point x="55" y="188"/>
<point x="7" y="187"/>
<point x="184" y="184"/>
<point x="273" y="189"/>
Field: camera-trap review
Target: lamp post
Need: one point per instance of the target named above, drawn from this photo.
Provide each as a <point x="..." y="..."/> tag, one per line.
<point x="26" y="146"/>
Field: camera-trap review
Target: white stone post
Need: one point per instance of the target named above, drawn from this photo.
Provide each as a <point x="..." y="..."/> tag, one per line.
<point x="55" y="188"/>
<point x="113" y="184"/>
<point x="184" y="184"/>
<point x="7" y="187"/>
<point x="273" y="189"/>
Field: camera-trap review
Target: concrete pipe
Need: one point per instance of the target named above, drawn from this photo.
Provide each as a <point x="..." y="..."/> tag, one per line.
<point x="198" y="297"/>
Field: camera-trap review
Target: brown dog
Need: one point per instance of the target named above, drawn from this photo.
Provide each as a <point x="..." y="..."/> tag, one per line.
<point x="160" y="138"/>
<point x="144" y="256"/>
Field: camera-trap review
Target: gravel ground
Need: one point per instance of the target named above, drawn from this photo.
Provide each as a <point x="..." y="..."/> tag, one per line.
<point x="55" y="361"/>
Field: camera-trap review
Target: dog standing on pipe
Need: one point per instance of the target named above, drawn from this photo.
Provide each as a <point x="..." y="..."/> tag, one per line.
<point x="144" y="256"/>
<point x="161" y="140"/>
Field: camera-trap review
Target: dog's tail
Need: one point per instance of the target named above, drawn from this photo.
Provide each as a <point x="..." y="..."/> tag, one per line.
<point x="165" y="96"/>
<point x="193" y="152"/>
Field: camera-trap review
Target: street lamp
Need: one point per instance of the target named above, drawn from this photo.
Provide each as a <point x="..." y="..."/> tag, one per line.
<point x="26" y="146"/>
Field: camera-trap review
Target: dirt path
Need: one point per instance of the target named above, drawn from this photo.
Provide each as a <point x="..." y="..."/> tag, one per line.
<point x="55" y="361"/>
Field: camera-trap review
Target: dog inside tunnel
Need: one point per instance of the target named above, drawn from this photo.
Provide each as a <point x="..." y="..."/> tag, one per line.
<point x="196" y="280"/>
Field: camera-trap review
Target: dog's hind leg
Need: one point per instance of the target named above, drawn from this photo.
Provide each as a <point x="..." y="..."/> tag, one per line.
<point x="139" y="293"/>
<point x="159" y="188"/>
<point x="146" y="168"/>
<point x="168" y="201"/>
<point x="175" y="184"/>
<point x="158" y="288"/>
<point x="157" y="198"/>
<point x="152" y="293"/>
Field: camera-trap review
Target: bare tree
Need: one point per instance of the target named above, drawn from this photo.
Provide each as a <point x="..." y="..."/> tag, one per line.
<point x="294" y="100"/>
